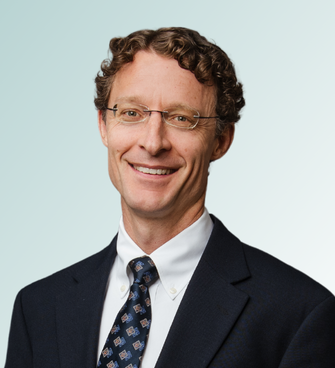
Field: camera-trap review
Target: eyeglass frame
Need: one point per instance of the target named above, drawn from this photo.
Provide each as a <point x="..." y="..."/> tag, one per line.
<point x="114" y="109"/>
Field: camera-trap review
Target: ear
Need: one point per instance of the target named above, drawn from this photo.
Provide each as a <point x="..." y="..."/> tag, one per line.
<point x="222" y="143"/>
<point x="102" y="128"/>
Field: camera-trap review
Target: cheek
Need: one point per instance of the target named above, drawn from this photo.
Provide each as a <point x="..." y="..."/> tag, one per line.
<point x="198" y="150"/>
<point x="119" y="142"/>
<point x="116" y="147"/>
<point x="197" y="158"/>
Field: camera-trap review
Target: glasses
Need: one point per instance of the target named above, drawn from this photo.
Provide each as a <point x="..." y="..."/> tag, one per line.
<point x="180" y="116"/>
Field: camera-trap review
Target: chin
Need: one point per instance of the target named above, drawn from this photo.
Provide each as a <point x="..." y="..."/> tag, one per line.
<point x="149" y="206"/>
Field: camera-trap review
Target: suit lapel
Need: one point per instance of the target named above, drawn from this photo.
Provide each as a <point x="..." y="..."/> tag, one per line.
<point x="78" y="313"/>
<point x="211" y="304"/>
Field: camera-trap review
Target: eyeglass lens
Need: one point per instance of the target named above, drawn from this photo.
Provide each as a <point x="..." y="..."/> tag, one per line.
<point x="180" y="116"/>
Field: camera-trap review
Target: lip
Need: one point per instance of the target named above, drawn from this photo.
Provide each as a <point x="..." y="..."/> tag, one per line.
<point x="153" y="170"/>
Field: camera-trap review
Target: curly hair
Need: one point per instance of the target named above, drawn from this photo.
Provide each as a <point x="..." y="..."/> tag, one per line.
<point x="209" y="64"/>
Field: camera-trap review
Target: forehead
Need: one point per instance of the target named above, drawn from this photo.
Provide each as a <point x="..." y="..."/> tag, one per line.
<point x="158" y="81"/>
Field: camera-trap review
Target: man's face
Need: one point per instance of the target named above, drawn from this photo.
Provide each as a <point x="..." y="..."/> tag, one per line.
<point x="178" y="159"/>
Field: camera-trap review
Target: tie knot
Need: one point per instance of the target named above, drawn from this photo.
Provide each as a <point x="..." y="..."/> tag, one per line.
<point x="144" y="270"/>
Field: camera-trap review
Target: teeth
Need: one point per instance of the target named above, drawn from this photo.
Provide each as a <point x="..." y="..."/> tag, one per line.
<point x="146" y="170"/>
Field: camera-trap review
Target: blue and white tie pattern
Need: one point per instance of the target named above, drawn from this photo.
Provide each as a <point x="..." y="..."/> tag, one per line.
<point x="127" y="339"/>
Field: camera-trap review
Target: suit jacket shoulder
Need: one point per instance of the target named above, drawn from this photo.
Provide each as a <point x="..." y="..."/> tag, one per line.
<point x="56" y="320"/>
<point x="284" y="283"/>
<point x="252" y="310"/>
<point x="72" y="275"/>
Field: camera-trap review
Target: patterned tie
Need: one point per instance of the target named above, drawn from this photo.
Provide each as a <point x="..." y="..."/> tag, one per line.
<point x="127" y="339"/>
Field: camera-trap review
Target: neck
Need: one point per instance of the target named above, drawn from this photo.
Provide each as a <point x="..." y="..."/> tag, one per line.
<point x="149" y="233"/>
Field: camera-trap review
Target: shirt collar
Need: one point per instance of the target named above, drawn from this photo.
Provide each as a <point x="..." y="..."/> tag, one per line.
<point x="175" y="260"/>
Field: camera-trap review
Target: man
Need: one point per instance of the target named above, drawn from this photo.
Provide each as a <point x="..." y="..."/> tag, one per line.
<point x="167" y="103"/>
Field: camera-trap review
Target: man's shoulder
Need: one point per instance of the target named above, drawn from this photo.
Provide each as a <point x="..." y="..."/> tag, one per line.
<point x="271" y="272"/>
<point x="68" y="277"/>
<point x="270" y="276"/>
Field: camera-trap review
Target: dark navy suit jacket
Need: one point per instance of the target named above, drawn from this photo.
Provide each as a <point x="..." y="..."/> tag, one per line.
<point x="242" y="309"/>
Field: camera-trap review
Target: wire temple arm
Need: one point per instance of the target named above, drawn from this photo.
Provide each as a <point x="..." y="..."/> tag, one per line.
<point x="208" y="117"/>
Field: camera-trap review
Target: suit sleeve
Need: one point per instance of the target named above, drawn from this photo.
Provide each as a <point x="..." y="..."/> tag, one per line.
<point x="313" y="346"/>
<point x="19" y="353"/>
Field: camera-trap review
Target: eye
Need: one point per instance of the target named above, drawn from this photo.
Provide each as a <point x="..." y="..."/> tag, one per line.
<point x="131" y="113"/>
<point x="180" y="118"/>
<point x="128" y="113"/>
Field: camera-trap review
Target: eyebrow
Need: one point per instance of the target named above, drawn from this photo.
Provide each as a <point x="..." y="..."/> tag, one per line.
<point x="138" y="100"/>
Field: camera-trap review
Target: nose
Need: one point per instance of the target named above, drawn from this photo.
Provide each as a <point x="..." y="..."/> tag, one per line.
<point x="154" y="135"/>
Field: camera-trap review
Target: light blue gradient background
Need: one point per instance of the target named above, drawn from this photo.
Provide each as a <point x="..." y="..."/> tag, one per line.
<point x="275" y="187"/>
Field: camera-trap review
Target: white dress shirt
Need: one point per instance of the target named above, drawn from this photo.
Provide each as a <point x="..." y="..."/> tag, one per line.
<point x="176" y="261"/>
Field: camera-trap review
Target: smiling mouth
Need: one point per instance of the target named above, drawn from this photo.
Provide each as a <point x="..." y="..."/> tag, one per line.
<point x="146" y="170"/>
